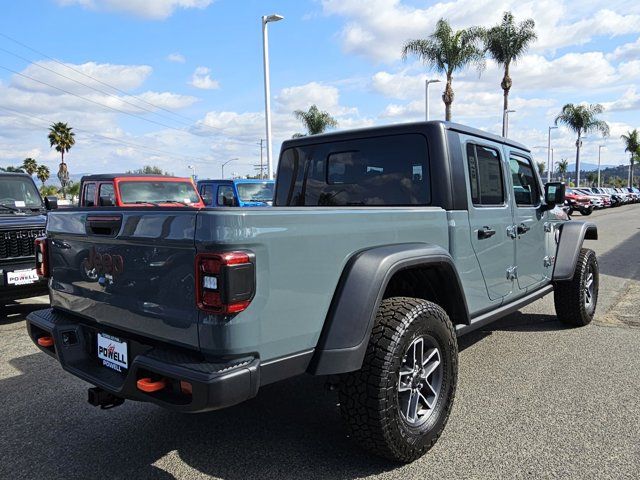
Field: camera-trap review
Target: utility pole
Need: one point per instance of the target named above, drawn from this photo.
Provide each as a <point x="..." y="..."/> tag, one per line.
<point x="261" y="147"/>
<point x="600" y="147"/>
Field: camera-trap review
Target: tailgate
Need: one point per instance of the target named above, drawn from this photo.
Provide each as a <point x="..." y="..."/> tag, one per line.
<point x="130" y="270"/>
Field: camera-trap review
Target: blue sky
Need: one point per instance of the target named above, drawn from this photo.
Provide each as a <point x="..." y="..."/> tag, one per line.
<point x="189" y="75"/>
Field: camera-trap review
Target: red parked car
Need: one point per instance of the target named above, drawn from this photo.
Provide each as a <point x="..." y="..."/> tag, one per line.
<point x="128" y="190"/>
<point x="577" y="201"/>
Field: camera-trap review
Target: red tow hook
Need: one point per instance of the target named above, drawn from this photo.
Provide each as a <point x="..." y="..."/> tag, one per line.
<point x="45" y="341"/>
<point x="149" y="386"/>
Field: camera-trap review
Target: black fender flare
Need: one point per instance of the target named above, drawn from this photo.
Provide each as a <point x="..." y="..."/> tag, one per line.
<point x="345" y="335"/>
<point x="572" y="235"/>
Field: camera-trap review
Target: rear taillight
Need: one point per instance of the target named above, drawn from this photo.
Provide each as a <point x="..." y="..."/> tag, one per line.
<point x="225" y="282"/>
<point x="42" y="257"/>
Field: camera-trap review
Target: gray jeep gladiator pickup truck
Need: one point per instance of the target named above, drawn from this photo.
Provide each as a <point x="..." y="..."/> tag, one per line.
<point x="383" y="245"/>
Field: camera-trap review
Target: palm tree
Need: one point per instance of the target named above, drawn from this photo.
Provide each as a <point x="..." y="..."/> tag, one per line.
<point x="30" y="166"/>
<point x="506" y="43"/>
<point x="314" y="121"/>
<point x="541" y="167"/>
<point x="446" y="51"/>
<point x="563" y="166"/>
<point x="61" y="136"/>
<point x="632" y="145"/>
<point x="582" y="119"/>
<point x="43" y="173"/>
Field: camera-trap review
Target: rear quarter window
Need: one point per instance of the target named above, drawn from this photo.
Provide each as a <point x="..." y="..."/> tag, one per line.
<point x="389" y="170"/>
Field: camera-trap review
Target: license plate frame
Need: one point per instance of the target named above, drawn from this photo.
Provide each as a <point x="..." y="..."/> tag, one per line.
<point x="26" y="276"/>
<point x="112" y="352"/>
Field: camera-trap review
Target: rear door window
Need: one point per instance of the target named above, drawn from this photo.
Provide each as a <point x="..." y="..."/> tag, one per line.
<point x="390" y="170"/>
<point x="224" y="190"/>
<point x="89" y="195"/>
<point x="107" y="191"/>
<point x="206" y="192"/>
<point x="485" y="175"/>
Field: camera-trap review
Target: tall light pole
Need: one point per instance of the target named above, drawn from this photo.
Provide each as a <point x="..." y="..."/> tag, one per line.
<point x="228" y="161"/>
<point x="549" y="164"/>
<point x="267" y="89"/>
<point x="426" y="96"/>
<point x="505" y="122"/>
<point x="600" y="147"/>
<point x="193" y="171"/>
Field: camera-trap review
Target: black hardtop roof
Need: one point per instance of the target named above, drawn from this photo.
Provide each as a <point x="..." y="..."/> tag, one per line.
<point x="113" y="176"/>
<point x="399" y="128"/>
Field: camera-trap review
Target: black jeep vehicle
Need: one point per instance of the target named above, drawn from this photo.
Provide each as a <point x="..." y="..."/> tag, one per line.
<point x="22" y="219"/>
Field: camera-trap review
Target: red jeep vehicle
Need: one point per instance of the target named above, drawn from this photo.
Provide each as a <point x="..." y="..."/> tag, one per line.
<point x="577" y="201"/>
<point x="134" y="190"/>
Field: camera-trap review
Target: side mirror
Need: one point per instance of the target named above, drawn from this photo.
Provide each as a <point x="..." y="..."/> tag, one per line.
<point x="106" y="201"/>
<point x="554" y="194"/>
<point x="51" y="202"/>
<point x="229" y="200"/>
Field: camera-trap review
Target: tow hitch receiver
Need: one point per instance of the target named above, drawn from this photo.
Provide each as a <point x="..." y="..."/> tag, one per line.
<point x="103" y="399"/>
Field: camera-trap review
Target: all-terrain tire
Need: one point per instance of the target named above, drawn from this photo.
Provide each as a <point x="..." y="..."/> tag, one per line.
<point x="586" y="211"/>
<point x="370" y="397"/>
<point x="576" y="299"/>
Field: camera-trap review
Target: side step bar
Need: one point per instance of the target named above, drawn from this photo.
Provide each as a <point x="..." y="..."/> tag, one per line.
<point x="504" y="310"/>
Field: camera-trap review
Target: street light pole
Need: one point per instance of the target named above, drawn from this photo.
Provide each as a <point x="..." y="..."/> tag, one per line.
<point x="228" y="161"/>
<point x="600" y="147"/>
<point x="267" y="89"/>
<point x="426" y="96"/>
<point x="505" y="122"/>
<point x="193" y="170"/>
<point x="549" y="164"/>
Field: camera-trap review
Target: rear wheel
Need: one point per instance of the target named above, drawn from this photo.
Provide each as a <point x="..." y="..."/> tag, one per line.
<point x="575" y="300"/>
<point x="398" y="403"/>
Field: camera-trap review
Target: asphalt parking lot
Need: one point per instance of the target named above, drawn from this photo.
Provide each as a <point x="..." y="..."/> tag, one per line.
<point x="535" y="400"/>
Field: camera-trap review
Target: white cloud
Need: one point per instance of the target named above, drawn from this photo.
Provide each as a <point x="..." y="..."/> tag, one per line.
<point x="379" y="28"/>
<point x="628" y="51"/>
<point x="65" y="76"/>
<point x="176" y="58"/>
<point x="149" y="9"/>
<point x="201" y="79"/>
<point x="630" y="100"/>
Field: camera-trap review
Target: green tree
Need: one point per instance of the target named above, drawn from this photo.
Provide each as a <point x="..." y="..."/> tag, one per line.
<point x="541" y="167"/>
<point x="506" y="43"/>
<point x="563" y="166"/>
<point x="13" y="169"/>
<point x="446" y="51"/>
<point x="74" y="189"/>
<point x="46" y="190"/>
<point x="582" y="119"/>
<point x="591" y="178"/>
<point x="314" y="121"/>
<point x="43" y="173"/>
<point x="150" y="170"/>
<point x="631" y="142"/>
<point x="29" y="165"/>
<point x="62" y="138"/>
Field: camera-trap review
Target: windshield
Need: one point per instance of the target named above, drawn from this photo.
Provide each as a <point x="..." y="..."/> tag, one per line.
<point x="19" y="192"/>
<point x="255" y="192"/>
<point x="158" y="192"/>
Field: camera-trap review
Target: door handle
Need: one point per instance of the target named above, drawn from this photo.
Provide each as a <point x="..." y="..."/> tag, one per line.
<point x="486" y="232"/>
<point x="522" y="228"/>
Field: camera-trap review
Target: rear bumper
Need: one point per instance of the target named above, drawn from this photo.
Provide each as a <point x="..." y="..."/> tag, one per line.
<point x="214" y="384"/>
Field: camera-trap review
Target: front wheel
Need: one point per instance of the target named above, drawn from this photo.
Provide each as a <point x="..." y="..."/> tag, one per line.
<point x="586" y="211"/>
<point x="398" y="403"/>
<point x="575" y="300"/>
